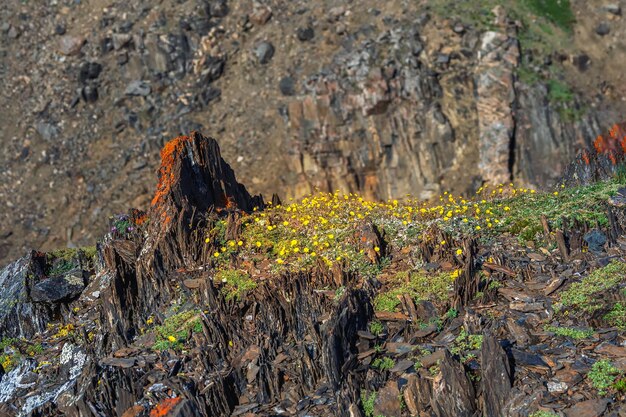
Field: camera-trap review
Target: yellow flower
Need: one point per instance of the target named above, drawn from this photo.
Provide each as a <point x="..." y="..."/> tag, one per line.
<point x="477" y="227"/>
<point x="331" y="236"/>
<point x="305" y="250"/>
<point x="507" y="208"/>
<point x="294" y="242"/>
<point x="231" y="243"/>
<point x="279" y="261"/>
<point x="207" y="240"/>
<point x="240" y="243"/>
<point x="459" y="252"/>
<point x="376" y="249"/>
<point x="258" y="244"/>
<point x="216" y="254"/>
<point x="443" y="242"/>
<point x="556" y="193"/>
<point x="285" y="223"/>
<point x="171" y="339"/>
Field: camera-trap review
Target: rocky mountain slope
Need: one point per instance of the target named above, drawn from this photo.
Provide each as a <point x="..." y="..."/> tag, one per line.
<point x="383" y="98"/>
<point x="216" y="303"/>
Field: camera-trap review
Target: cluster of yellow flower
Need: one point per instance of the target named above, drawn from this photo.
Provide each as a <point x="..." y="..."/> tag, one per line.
<point x="322" y="226"/>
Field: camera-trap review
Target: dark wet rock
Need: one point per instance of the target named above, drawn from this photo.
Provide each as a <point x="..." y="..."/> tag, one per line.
<point x="595" y="240"/>
<point x="603" y="29"/>
<point x="582" y="62"/>
<point x="613" y="8"/>
<point x="264" y="51"/>
<point x="89" y="93"/>
<point x="89" y="71"/>
<point x="287" y="86"/>
<point x="60" y="288"/>
<point x="305" y="34"/>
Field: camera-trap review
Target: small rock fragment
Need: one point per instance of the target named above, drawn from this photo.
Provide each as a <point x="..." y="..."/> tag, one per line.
<point x="264" y="51"/>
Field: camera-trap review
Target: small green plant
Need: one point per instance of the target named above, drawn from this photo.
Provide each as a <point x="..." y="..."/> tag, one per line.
<point x="367" y="402"/>
<point x="603" y="375"/>
<point x="620" y="385"/>
<point x="376" y="328"/>
<point x="9" y="354"/>
<point x="452" y="313"/>
<point x="176" y="330"/>
<point x="383" y="364"/>
<point x="570" y="332"/>
<point x="464" y="343"/>
<point x="236" y="283"/>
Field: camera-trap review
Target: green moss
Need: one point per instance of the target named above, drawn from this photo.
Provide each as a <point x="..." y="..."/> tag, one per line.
<point x="572" y="333"/>
<point x="417" y="285"/>
<point x="9" y="353"/>
<point x="603" y="375"/>
<point x="583" y="295"/>
<point x="236" y="283"/>
<point x="176" y="330"/>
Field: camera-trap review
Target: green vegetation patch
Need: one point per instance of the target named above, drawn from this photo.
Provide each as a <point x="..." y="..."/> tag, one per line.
<point x="558" y="12"/>
<point x="417" y="285"/>
<point x="583" y="295"/>
<point x="176" y="330"/>
<point x="465" y="343"/>
<point x="617" y="316"/>
<point x="585" y="204"/>
<point x="367" y="402"/>
<point x="603" y="376"/>
<point x="383" y="364"/>
<point x="236" y="283"/>
<point x="570" y="332"/>
<point x="543" y="414"/>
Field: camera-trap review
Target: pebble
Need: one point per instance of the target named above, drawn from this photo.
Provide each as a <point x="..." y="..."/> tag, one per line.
<point x="603" y="29"/>
<point x="264" y="51"/>
<point x="70" y="45"/>
<point x="138" y="88"/>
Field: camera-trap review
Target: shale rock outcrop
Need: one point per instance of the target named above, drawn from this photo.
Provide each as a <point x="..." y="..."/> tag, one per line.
<point x="141" y="326"/>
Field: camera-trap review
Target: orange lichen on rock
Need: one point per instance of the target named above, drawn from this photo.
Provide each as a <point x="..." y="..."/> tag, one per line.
<point x="612" y="143"/>
<point x="165" y="407"/>
<point x="166" y="172"/>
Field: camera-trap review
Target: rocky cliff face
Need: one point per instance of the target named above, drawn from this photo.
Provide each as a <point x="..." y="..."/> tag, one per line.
<point x="167" y="317"/>
<point x="385" y="99"/>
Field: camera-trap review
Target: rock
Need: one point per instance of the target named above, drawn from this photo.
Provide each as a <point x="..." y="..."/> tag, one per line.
<point x="218" y="8"/>
<point x="59" y="29"/>
<point x="138" y="88"/>
<point x="589" y="408"/>
<point x="596" y="240"/>
<point x="47" y="131"/>
<point x="120" y="40"/>
<point x="119" y="362"/>
<point x="89" y="93"/>
<point x="305" y="34"/>
<point x="453" y="394"/>
<point x="287" y="86"/>
<point x="264" y="51"/>
<point x="498" y="57"/>
<point x="459" y="28"/>
<point x="261" y="15"/>
<point x="70" y="45"/>
<point x="496" y="376"/>
<point x="209" y="95"/>
<point x="582" y="62"/>
<point x="387" y="400"/>
<point x="613" y="8"/>
<point x="89" y="71"/>
<point x="556" y="386"/>
<point x="603" y="29"/>
<point x="62" y="288"/>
